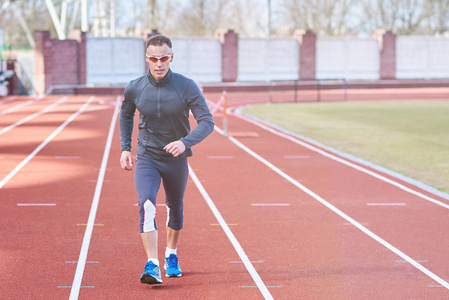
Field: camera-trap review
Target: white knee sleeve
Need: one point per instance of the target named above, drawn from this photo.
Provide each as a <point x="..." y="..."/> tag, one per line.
<point x="149" y="221"/>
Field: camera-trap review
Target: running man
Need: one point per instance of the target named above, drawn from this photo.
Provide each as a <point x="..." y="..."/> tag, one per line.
<point x="163" y="99"/>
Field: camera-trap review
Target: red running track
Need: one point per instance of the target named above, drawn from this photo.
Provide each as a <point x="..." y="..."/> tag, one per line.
<point x="267" y="216"/>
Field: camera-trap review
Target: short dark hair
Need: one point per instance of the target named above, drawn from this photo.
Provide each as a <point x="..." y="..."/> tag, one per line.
<point x="158" y="40"/>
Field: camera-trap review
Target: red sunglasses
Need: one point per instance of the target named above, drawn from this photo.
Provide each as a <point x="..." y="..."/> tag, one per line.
<point x="154" y="59"/>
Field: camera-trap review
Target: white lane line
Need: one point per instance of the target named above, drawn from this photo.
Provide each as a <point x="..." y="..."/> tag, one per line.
<point x="159" y="204"/>
<point x="18" y="106"/>
<point x="260" y="284"/>
<point x="30" y="117"/>
<point x="386" y="204"/>
<point x="68" y="286"/>
<point x="268" y="286"/>
<point x="76" y="285"/>
<point x="87" y="262"/>
<point x="343" y="215"/>
<point x="44" y="143"/>
<point x="340" y="160"/>
<point x="270" y="204"/>
<point x="36" y="204"/>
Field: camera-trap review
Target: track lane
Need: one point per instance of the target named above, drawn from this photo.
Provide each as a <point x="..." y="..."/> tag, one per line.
<point x="301" y="245"/>
<point x="300" y="249"/>
<point x="81" y="262"/>
<point x="41" y="243"/>
<point x="32" y="116"/>
<point x="204" y="250"/>
<point x="45" y="143"/>
<point x="9" y="119"/>
<point x="17" y="144"/>
<point x="14" y="106"/>
<point x="358" y="193"/>
<point x="329" y="181"/>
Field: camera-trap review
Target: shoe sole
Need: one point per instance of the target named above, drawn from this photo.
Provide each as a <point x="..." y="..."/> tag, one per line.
<point x="172" y="275"/>
<point x="149" y="279"/>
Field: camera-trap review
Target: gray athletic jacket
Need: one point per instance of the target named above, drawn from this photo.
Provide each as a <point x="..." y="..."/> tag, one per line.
<point x="164" y="115"/>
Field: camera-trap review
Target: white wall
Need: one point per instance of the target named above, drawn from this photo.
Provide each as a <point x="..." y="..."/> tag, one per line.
<point x="117" y="61"/>
<point x="268" y="59"/>
<point x="198" y="59"/>
<point x="27" y="61"/>
<point x="114" y="60"/>
<point x="1" y="49"/>
<point x="422" y="57"/>
<point x="349" y="58"/>
<point x="1" y="38"/>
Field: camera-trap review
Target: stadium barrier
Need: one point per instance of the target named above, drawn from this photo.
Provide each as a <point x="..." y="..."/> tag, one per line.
<point x="313" y="90"/>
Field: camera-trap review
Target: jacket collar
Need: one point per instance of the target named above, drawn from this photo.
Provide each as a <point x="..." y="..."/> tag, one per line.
<point x="162" y="82"/>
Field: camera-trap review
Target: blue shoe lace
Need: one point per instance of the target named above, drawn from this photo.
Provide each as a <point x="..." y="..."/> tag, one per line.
<point x="172" y="261"/>
<point x="172" y="266"/>
<point x="149" y="268"/>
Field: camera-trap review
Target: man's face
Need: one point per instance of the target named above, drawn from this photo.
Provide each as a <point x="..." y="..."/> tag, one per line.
<point x="159" y="68"/>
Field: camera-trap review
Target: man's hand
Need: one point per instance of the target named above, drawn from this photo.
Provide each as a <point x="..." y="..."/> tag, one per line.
<point x="175" y="148"/>
<point x="126" y="160"/>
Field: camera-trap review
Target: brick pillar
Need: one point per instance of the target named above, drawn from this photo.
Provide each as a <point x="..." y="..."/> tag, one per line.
<point x="229" y="54"/>
<point x="307" y="53"/>
<point x="80" y="38"/>
<point x="388" y="56"/>
<point x="42" y="51"/>
<point x="82" y="59"/>
<point x="13" y="82"/>
<point x="57" y="61"/>
<point x="387" y="46"/>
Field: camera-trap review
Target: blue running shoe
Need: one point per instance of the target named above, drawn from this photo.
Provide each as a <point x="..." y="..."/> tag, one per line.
<point x="172" y="266"/>
<point x="152" y="274"/>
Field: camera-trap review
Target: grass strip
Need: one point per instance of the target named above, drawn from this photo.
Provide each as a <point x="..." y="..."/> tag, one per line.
<point x="408" y="137"/>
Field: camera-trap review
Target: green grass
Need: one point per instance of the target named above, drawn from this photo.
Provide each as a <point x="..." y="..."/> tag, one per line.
<point x="408" y="137"/>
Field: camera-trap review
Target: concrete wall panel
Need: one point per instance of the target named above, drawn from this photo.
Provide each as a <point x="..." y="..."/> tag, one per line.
<point x="422" y="57"/>
<point x="199" y="59"/>
<point x="348" y="58"/>
<point x="268" y="59"/>
<point x="114" y="60"/>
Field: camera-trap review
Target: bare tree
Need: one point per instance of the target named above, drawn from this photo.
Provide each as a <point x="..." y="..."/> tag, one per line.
<point x="203" y="17"/>
<point x="249" y="18"/>
<point x="402" y="16"/>
<point x="159" y="14"/>
<point x="438" y="21"/>
<point x="328" y="17"/>
<point x="32" y="12"/>
<point x="412" y="15"/>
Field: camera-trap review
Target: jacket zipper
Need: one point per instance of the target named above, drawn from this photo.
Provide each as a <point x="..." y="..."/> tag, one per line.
<point x="158" y="97"/>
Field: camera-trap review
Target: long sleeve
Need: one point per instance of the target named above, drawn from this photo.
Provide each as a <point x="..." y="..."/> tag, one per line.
<point x="126" y="123"/>
<point x="200" y="110"/>
<point x="126" y="119"/>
